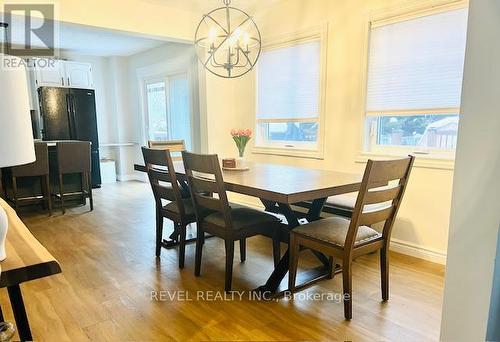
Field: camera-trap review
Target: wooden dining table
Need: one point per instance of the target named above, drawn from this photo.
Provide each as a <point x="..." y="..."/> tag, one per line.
<point x="279" y="187"/>
<point x="26" y="260"/>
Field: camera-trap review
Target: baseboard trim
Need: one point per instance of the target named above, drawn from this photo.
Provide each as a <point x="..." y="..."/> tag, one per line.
<point x="131" y="177"/>
<point x="417" y="251"/>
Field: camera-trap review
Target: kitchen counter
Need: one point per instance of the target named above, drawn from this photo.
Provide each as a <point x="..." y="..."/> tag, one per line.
<point x="52" y="143"/>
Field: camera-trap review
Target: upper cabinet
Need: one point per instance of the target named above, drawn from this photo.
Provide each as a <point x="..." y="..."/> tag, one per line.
<point x="64" y="74"/>
<point x="78" y="75"/>
<point x="50" y="75"/>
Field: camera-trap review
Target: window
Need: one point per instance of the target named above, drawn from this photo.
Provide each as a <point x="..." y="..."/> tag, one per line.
<point x="156" y="98"/>
<point x="289" y="99"/>
<point x="415" y="71"/>
<point x="168" y="113"/>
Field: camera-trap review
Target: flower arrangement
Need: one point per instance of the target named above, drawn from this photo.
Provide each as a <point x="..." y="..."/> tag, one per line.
<point x="241" y="138"/>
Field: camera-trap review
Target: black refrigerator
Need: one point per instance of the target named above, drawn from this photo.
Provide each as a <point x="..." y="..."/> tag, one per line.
<point x="70" y="114"/>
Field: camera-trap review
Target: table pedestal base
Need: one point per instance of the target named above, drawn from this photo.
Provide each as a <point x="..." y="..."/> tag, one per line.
<point x="305" y="279"/>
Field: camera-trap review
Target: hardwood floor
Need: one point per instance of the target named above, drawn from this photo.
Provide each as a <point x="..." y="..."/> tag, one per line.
<point x="110" y="271"/>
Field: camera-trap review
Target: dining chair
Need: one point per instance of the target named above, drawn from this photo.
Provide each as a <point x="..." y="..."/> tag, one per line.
<point x="166" y="187"/>
<point x="343" y="205"/>
<point x="73" y="157"/>
<point x="215" y="215"/>
<point x="40" y="169"/>
<point x="346" y="239"/>
<point x="174" y="146"/>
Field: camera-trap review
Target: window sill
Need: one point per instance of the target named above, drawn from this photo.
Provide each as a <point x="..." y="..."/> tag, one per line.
<point x="421" y="161"/>
<point x="297" y="153"/>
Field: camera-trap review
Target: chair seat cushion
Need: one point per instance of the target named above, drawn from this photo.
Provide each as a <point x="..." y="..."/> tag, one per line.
<point x="188" y="207"/>
<point x="348" y="201"/>
<point x="334" y="230"/>
<point x="243" y="217"/>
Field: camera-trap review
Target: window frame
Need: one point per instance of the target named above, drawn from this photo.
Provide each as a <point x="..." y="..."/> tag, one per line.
<point x="298" y="149"/>
<point x="369" y="135"/>
<point x="164" y="77"/>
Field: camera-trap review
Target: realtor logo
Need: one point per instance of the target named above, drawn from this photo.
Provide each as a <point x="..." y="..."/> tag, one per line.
<point x="31" y="29"/>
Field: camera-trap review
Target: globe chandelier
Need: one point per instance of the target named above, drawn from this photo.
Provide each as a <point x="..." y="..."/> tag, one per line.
<point x="228" y="41"/>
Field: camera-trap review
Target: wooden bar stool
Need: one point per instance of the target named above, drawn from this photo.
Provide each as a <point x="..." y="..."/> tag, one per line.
<point x="74" y="157"/>
<point x="40" y="169"/>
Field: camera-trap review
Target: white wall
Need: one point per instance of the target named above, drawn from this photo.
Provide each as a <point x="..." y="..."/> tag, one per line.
<point x="475" y="213"/>
<point x="422" y="225"/>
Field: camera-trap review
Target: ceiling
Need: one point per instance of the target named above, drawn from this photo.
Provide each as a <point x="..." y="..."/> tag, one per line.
<point x="91" y="41"/>
<point x="203" y="6"/>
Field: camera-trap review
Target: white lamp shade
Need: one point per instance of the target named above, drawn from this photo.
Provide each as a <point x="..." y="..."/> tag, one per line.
<point x="16" y="136"/>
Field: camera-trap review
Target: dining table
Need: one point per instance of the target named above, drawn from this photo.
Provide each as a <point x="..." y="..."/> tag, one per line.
<point x="279" y="187"/>
<point x="27" y="260"/>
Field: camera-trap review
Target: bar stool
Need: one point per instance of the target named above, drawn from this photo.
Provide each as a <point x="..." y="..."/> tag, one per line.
<point x="74" y="157"/>
<point x="39" y="168"/>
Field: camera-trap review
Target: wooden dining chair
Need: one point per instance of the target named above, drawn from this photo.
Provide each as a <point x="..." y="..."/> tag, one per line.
<point x="215" y="215"/>
<point x="40" y="169"/>
<point x="174" y="146"/>
<point x="166" y="187"/>
<point x="73" y="157"/>
<point x="346" y="239"/>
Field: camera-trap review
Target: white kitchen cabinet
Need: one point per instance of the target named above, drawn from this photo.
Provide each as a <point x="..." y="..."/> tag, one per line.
<point x="59" y="73"/>
<point x="78" y="75"/>
<point x="50" y="74"/>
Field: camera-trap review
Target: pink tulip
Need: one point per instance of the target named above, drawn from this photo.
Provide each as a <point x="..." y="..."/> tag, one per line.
<point x="234" y="132"/>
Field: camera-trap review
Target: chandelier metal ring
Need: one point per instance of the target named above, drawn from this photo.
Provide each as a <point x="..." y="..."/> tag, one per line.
<point x="224" y="49"/>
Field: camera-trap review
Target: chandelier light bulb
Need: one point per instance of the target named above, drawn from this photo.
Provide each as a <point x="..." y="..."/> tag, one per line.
<point x="212" y="35"/>
<point x="237" y="33"/>
<point x="245" y="41"/>
<point x="232" y="41"/>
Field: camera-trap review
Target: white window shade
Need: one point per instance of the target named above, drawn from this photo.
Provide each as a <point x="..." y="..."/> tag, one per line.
<point x="417" y="64"/>
<point x="289" y="82"/>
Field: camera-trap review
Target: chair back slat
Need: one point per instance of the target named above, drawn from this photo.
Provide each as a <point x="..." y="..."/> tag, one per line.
<point x="205" y="179"/>
<point x="379" y="196"/>
<point x="208" y="202"/>
<point x="376" y="216"/>
<point x="174" y="146"/>
<point x="387" y="170"/>
<point x="40" y="167"/>
<point x="377" y="173"/>
<point x="162" y="177"/>
<point x="205" y="185"/>
<point x="74" y="156"/>
<point x="201" y="163"/>
<point x="164" y="192"/>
